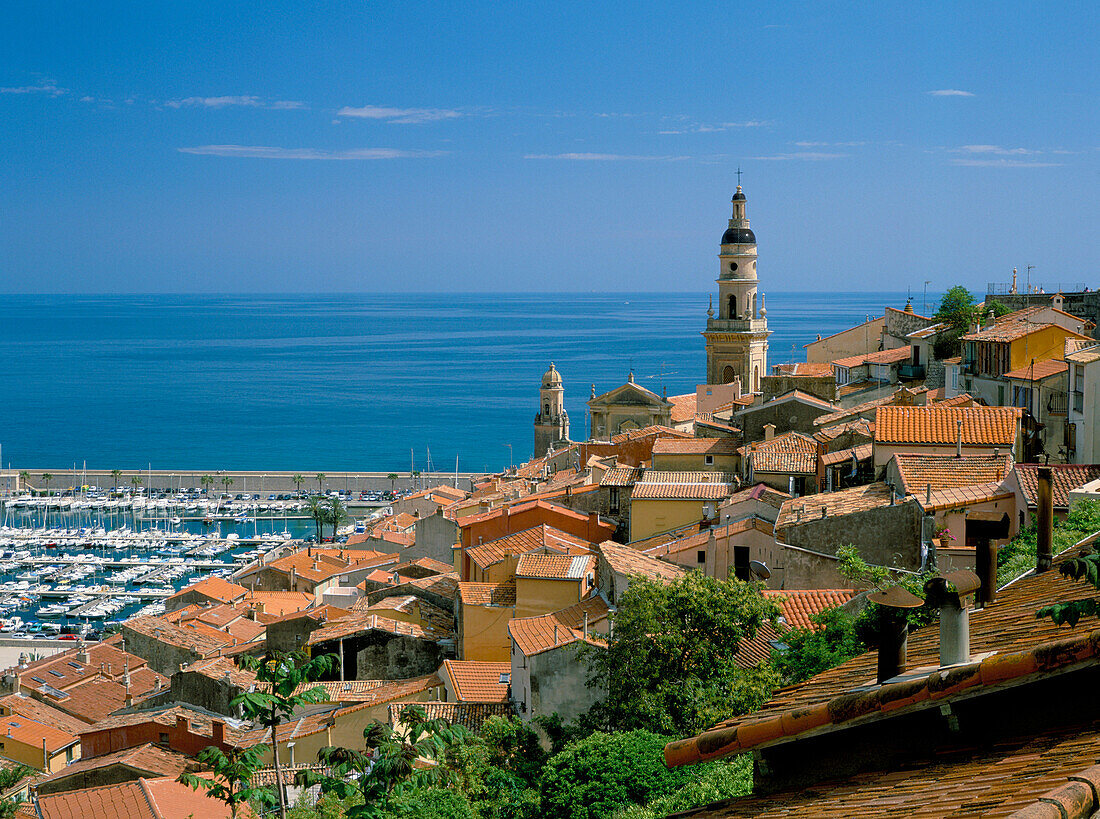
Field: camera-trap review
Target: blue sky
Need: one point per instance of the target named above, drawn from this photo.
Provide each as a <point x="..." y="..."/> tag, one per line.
<point x="568" y="146"/>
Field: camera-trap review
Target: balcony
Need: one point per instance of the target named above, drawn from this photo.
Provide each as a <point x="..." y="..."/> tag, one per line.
<point x="911" y="372"/>
<point x="970" y="366"/>
<point x="1057" y="403"/>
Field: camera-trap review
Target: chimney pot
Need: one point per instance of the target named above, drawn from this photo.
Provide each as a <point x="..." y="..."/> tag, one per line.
<point x="1045" y="552"/>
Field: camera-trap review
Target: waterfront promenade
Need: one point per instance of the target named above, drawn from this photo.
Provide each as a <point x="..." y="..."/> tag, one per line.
<point x="252" y="482"/>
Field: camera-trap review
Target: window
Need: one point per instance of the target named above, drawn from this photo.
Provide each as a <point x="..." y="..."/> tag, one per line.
<point x="708" y="460"/>
<point x="1000" y="395"/>
<point x="732" y="313"/>
<point x="162" y="738"/>
<point x="701" y="557"/>
<point x="741" y="563"/>
<point x="1021" y="397"/>
<point x="613" y="500"/>
<point x="954" y="378"/>
<point x="728" y="375"/>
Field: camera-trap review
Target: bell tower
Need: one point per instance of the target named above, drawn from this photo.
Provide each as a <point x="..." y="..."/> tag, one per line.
<point x="552" y="421"/>
<point x="737" y="336"/>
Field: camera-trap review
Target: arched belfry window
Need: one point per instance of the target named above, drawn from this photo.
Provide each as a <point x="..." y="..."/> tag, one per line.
<point x="733" y="306"/>
<point x="728" y="375"/>
<point x="546" y="409"/>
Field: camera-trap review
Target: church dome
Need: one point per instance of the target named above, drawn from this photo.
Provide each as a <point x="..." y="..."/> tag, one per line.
<point x="552" y="377"/>
<point x="738" y="236"/>
<point x="739" y="197"/>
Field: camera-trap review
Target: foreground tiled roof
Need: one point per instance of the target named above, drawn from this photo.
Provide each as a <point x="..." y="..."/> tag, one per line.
<point x="363" y="622"/>
<point x="695" y="446"/>
<point x="981" y="426"/>
<point x="142" y="799"/>
<point x="487" y="594"/>
<point x="470" y="715"/>
<point x="790" y="453"/>
<point x="834" y="504"/>
<point x="215" y="588"/>
<point x="474" y="681"/>
<point x="799" y="605"/>
<point x="1064" y="478"/>
<point x="990" y="781"/>
<point x="534" y="635"/>
<point x="554" y="567"/>
<point x="1085" y="354"/>
<point x="36" y="734"/>
<point x="683" y="407"/>
<point x="629" y="561"/>
<point x="685" y="486"/>
<point x="918" y="472"/>
<point x="527" y="540"/>
<point x="42" y="712"/>
<point x="1039" y="370"/>
<point x="624" y="475"/>
<point x="1007" y="637"/>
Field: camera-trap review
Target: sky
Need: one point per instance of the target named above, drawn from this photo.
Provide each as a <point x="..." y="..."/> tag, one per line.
<point x="434" y="147"/>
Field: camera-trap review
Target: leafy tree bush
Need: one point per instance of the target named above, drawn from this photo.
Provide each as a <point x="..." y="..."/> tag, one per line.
<point x="230" y="775"/>
<point x="957" y="308"/>
<point x="727" y="779"/>
<point x="811" y="651"/>
<point x="603" y="773"/>
<point x="1018" y="555"/>
<point x="671" y="664"/>
<point x="871" y="619"/>
<point x="499" y="769"/>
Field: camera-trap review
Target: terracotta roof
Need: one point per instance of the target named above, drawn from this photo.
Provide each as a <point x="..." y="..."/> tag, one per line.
<point x="278" y="603"/>
<point x="1039" y="370"/>
<point x="858" y="426"/>
<point x="1086" y="355"/>
<point x="893" y="356"/>
<point x="554" y="567"/>
<point x="683" y="407"/>
<point x="429" y="565"/>
<point x="148" y="759"/>
<point x="685" y="485"/>
<point x="216" y="668"/>
<point x="625" y="475"/>
<point x="435" y="617"/>
<point x="43" y="712"/>
<point x="91" y="701"/>
<point x="760" y="492"/>
<point x="647" y="543"/>
<point x="791" y="395"/>
<point x="470" y="715"/>
<point x="1011" y="329"/>
<point x="930" y="330"/>
<point x="803" y="369"/>
<point x="200" y="721"/>
<point x="702" y="538"/>
<point x="359" y="623"/>
<point x="863" y="452"/>
<point x="345" y="691"/>
<point x="899" y="397"/>
<point x="142" y="799"/>
<point x="1007" y="637"/>
<point x="695" y="446"/>
<point x="215" y="588"/>
<point x="36" y="734"/>
<point x="983" y="426"/>
<point x="1064" y="479"/>
<point x="66" y="668"/>
<point x="963" y="496"/>
<point x="316" y="564"/>
<point x="474" y="681"/>
<point x="799" y="605"/>
<point x="994" y="779"/>
<point x="488" y="594"/>
<point x="167" y="633"/>
<point x="629" y="561"/>
<point x="534" y="635"/>
<point x="655" y="430"/>
<point x="961" y="400"/>
<point x="527" y="540"/>
<point x="444" y="585"/>
<point x="918" y="472"/>
<point x="790" y="453"/>
<point x="842" y="502"/>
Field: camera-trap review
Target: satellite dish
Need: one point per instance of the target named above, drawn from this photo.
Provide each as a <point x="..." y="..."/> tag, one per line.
<point x="759" y="569"/>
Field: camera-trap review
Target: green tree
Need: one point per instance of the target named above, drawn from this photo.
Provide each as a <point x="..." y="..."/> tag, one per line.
<point x="25" y="478"/>
<point x="1085" y="515"/>
<point x="226" y="482"/>
<point x="336" y="513"/>
<point x="116" y="477"/>
<point x="386" y="775"/>
<point x="671" y="664"/>
<point x="230" y="777"/>
<point x="135" y="482"/>
<point x="320" y="481"/>
<point x="393" y="481"/>
<point x="957" y="308"/>
<point x="276" y="697"/>
<point x="604" y="773"/>
<point x="9" y="778"/>
<point x="298" y="481"/>
<point x="1018" y="555"/>
<point x="46" y="478"/>
<point x="811" y="651"/>
<point x="416" y="478"/>
<point x="872" y="618"/>
<point x="499" y="769"/>
<point x="207" y="481"/>
<point x="726" y="779"/>
<point x="318" y="510"/>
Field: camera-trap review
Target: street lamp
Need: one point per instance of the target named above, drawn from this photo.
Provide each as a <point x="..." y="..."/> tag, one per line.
<point x="510" y="459"/>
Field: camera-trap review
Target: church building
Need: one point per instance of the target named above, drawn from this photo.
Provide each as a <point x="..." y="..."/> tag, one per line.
<point x="552" y="421"/>
<point x="737" y="337"/>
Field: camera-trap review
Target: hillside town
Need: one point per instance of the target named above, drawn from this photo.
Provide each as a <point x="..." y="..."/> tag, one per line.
<point x="902" y="467"/>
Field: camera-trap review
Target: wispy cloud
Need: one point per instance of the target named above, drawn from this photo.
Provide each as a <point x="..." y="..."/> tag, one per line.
<point x="855" y="144"/>
<point x="400" y="116"/>
<point x="268" y="152"/>
<point x="992" y="149"/>
<point x="949" y="92"/>
<point x="804" y="156"/>
<point x="234" y="102"/>
<point x="1002" y="162"/>
<point x="716" y="127"/>
<point x="48" y="87"/>
<point x="590" y="157"/>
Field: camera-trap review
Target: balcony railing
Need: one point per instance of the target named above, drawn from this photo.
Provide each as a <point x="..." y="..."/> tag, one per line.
<point x="1057" y="403"/>
<point x="911" y="372"/>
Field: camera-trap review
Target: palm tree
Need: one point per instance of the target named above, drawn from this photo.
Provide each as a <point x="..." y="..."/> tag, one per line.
<point x="227" y="482"/>
<point x="46" y="478"/>
<point x="135" y="481"/>
<point x="416" y="478"/>
<point x="298" y="480"/>
<point x="25" y="478"/>
<point x="393" y="481"/>
<point x="116" y="476"/>
<point x="337" y="514"/>
<point x="318" y="510"/>
<point x="320" y="479"/>
<point x="207" y="481"/>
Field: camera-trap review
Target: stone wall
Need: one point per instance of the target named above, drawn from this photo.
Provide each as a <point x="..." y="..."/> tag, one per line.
<point x="162" y="657"/>
<point x="824" y="386"/>
<point x="206" y="692"/>
<point x="558" y="684"/>
<point x="885" y="535"/>
<point x="787" y="416"/>
<point x="379" y="655"/>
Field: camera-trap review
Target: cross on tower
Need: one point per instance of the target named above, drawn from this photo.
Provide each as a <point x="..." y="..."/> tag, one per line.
<point x="738" y="176"/>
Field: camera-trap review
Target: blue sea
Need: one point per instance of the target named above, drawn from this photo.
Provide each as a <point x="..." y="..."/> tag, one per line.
<point x="358" y="382"/>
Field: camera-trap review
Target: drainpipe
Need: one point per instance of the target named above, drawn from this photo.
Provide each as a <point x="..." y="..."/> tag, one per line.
<point x="1045" y="552"/>
<point x="341" y="644"/>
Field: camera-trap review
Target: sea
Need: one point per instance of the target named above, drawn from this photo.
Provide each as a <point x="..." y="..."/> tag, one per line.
<point x="356" y="382"/>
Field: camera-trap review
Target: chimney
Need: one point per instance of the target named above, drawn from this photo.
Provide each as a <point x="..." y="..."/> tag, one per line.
<point x="985" y="564"/>
<point x="1045" y="552"/>
<point x="555" y="643"/>
<point x="928" y="495"/>
<point x="218" y="728"/>
<point x="893" y="496"/>
<point x="959" y="439"/>
<point x="769" y="431"/>
<point x="593" y="525"/>
<point x="894" y="636"/>
<point x="82" y="652"/>
<point x="820" y="469"/>
<point x="504" y="516"/>
<point x="293" y="578"/>
<point x="182" y="724"/>
<point x="947" y="593"/>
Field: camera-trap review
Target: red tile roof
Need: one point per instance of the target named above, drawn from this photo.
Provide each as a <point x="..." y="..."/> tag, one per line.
<point x="832" y="504"/>
<point x="1010" y="329"/>
<point x="359" y="623"/>
<point x="147" y="760"/>
<point x="685" y="486"/>
<point x="470" y="715"/>
<point x="804" y="369"/>
<point x="474" y="681"/>
<point x="918" y="472"/>
<point x="215" y="588"/>
<point x="790" y="453"/>
<point x="488" y="594"/>
<point x="1064" y="479"/>
<point x="142" y="799"/>
<point x="534" y="635"/>
<point x="36" y="734"/>
<point x="799" y="605"/>
<point x="1039" y="370"/>
<point x="981" y="426"/>
<point x="554" y="567"/>
<point x="695" y="446"/>
<point x="894" y="356"/>
<point x="629" y="561"/>
<point x="683" y="407"/>
<point x="625" y="475"/>
<point x="527" y="540"/>
<point x="863" y="452"/>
